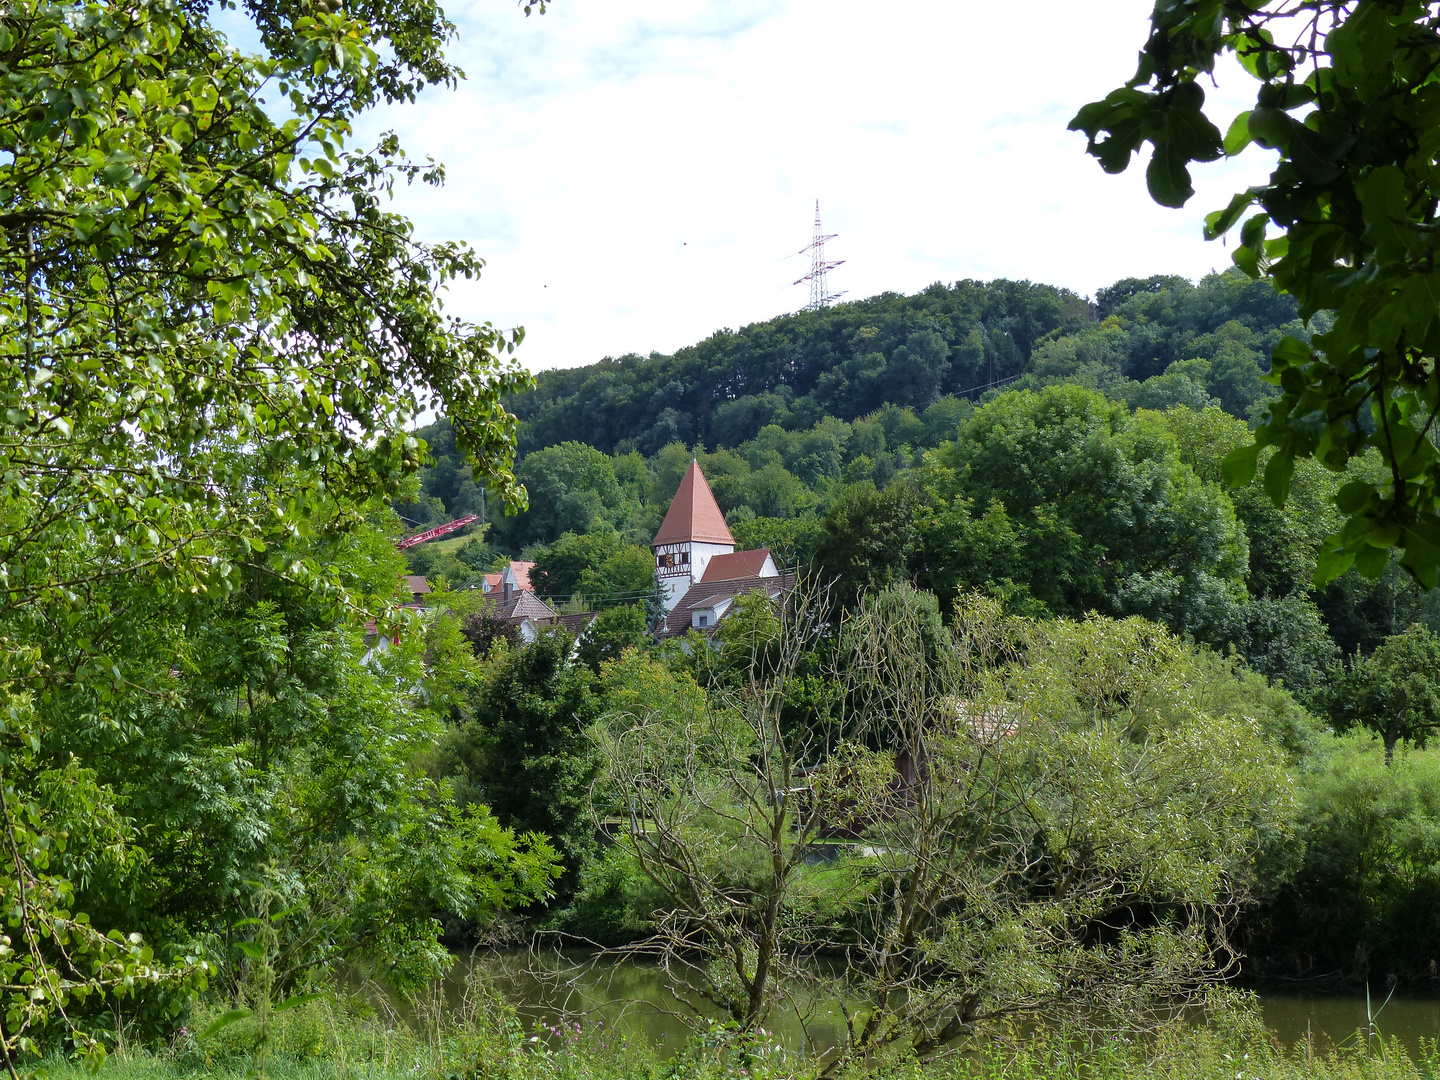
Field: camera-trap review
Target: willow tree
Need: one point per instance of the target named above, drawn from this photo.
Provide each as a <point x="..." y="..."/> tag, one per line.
<point x="995" y="824"/>
<point x="1349" y="97"/>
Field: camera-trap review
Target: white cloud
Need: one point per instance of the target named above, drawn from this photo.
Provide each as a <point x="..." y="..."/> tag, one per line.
<point x="637" y="173"/>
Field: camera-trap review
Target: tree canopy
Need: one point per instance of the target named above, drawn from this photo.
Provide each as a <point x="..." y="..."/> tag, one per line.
<point x="1395" y="691"/>
<point x="1347" y="98"/>
<point x="214" y="335"/>
<point x="909" y="352"/>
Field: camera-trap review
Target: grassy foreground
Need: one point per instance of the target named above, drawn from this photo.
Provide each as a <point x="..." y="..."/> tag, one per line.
<point x="483" y="1040"/>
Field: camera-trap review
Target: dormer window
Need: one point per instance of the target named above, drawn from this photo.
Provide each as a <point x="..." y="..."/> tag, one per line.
<point x="702" y="621"/>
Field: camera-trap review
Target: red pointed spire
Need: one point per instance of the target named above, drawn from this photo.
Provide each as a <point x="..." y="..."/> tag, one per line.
<point x="694" y="514"/>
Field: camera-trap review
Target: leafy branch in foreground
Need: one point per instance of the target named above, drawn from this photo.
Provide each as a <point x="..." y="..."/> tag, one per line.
<point x="211" y="329"/>
<point x="214" y="337"/>
<point x="1349" y="97"/>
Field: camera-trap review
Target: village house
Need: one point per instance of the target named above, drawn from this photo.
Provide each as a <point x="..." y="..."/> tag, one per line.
<point x="511" y="600"/>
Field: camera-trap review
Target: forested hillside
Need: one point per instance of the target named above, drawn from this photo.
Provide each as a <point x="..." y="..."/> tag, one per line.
<point x="1059" y="456"/>
<point x="1061" y="453"/>
<point x="849" y="360"/>
<point x="903" y="368"/>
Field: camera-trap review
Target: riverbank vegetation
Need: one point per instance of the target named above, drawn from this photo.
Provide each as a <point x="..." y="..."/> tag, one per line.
<point x="1059" y="501"/>
<point x="485" y="1040"/>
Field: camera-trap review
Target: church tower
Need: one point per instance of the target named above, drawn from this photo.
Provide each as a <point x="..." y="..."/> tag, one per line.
<point x="693" y="533"/>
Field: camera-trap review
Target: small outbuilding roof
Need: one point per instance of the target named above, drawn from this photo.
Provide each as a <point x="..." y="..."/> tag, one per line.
<point x="519" y="570"/>
<point x="526" y="605"/>
<point x="706" y="594"/>
<point x="738" y="564"/>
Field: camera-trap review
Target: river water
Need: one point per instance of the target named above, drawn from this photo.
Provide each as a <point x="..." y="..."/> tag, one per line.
<point x="631" y="995"/>
<point x="1411" y="1018"/>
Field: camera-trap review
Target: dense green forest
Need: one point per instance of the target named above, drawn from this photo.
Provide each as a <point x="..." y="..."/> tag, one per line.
<point x="1090" y="481"/>
<point x="850" y="360"/>
<point x="884" y="363"/>
<point x="1088" y="484"/>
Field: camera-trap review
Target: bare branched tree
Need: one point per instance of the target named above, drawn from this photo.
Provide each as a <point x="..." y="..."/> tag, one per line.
<point x="722" y="815"/>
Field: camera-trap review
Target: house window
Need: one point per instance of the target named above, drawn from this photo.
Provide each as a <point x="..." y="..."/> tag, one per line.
<point x="702" y="620"/>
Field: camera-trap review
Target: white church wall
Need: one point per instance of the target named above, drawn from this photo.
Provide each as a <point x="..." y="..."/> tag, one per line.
<point x="672" y="588"/>
<point x="700" y="556"/>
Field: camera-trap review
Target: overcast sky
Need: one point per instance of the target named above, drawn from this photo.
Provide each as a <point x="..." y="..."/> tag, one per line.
<point x="641" y="174"/>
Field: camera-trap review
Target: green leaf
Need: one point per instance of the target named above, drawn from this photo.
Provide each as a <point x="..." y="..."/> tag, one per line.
<point x="1278" y="471"/>
<point x="253" y="949"/>
<point x="1420" y="306"/>
<point x="220" y="1023"/>
<point x="1167" y="175"/>
<point x="1237" y="135"/>
<point x="1252" y="233"/>
<point x="1191" y="132"/>
<point x="1370" y="562"/>
<point x="1291" y="350"/>
<point x="1418" y="550"/>
<point x="1331" y="563"/>
<point x="294" y="1001"/>
<point x="1311" y="156"/>
<point x="1385" y="204"/>
<point x="1426" y="573"/>
<point x="1250" y="50"/>
<point x="1238" y="466"/>
<point x="1362" y="48"/>
<point x="1220" y="221"/>
<point x="1383" y="536"/>
<point x="1353" y="497"/>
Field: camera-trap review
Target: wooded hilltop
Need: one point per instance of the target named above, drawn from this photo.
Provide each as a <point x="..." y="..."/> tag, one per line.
<point x="1060" y="455"/>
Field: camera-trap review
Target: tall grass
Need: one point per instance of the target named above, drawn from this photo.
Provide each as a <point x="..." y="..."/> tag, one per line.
<point x="480" y="1037"/>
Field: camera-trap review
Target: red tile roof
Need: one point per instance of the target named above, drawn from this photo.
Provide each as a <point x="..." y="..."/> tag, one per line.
<point x="521" y="570"/>
<point x="577" y="621"/>
<point x="738" y="564"/>
<point x="694" y="514"/>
